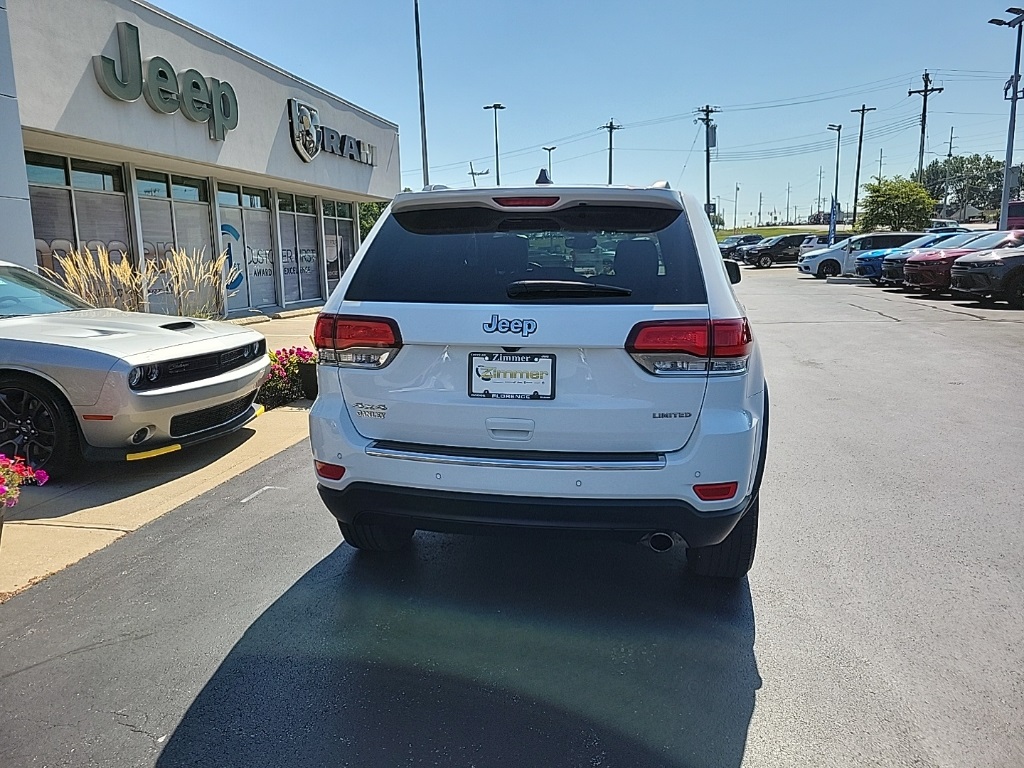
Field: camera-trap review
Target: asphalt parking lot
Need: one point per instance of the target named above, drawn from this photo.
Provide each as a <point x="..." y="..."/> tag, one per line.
<point x="880" y="625"/>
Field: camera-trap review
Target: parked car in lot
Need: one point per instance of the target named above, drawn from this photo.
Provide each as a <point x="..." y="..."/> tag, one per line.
<point x="929" y="270"/>
<point x="492" y="389"/>
<point x="869" y="263"/>
<point x="892" y="265"/>
<point x="814" y="242"/>
<point x="997" y="275"/>
<point x="779" y="249"/>
<point x="840" y="258"/>
<point x="731" y="244"/>
<point x="77" y="382"/>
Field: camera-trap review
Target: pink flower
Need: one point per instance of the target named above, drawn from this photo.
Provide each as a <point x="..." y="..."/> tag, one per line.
<point x="41" y="477"/>
<point x="10" y="502"/>
<point x="3" y="490"/>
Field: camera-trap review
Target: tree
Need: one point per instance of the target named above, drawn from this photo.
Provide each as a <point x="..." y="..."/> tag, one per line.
<point x="895" y="204"/>
<point x="368" y="215"/>
<point x="717" y="222"/>
<point x="972" y="180"/>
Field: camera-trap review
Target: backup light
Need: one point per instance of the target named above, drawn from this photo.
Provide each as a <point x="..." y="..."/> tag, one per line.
<point x="679" y="347"/>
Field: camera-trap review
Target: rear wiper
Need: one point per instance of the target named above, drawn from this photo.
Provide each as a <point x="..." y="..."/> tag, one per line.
<point x="549" y="289"/>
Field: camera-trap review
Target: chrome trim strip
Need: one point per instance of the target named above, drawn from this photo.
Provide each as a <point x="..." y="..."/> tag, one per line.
<point x="481" y="461"/>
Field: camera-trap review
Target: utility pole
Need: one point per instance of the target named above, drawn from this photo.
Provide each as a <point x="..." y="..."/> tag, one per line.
<point x="611" y="127"/>
<point x="924" y="119"/>
<point x="760" y="199"/>
<point x="945" y="187"/>
<point x="1011" y="92"/>
<point x="864" y="109"/>
<point x="787" y="202"/>
<point x="735" y="205"/>
<point x="474" y="173"/>
<point x="710" y="140"/>
<point x="496" y="107"/>
<point x="879" y="163"/>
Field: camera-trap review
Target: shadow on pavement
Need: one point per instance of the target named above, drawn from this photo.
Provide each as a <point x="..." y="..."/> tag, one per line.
<point x="98" y="483"/>
<point x="481" y="652"/>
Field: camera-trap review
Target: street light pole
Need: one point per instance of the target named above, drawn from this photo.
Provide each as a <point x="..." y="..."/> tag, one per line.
<point x="1014" y="87"/>
<point x="735" y="205"/>
<point x="834" y="216"/>
<point x="549" y="150"/>
<point x="423" y="110"/>
<point x="497" y="164"/>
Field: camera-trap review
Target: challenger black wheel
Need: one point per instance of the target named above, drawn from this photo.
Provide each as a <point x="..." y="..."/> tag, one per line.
<point x="37" y="424"/>
<point x="1015" y="296"/>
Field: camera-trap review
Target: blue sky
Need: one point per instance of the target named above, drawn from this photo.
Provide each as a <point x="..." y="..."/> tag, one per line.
<point x="564" y="68"/>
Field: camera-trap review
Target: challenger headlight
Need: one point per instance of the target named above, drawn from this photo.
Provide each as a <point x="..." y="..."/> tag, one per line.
<point x="135" y="377"/>
<point x="153" y="373"/>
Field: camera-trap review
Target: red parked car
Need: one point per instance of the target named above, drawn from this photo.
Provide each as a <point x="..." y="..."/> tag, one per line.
<point x="930" y="269"/>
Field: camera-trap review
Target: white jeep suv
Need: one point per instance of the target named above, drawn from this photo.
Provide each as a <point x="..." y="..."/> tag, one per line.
<point x="562" y="358"/>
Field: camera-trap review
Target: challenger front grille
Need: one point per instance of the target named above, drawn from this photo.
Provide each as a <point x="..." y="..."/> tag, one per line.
<point x="199" y="421"/>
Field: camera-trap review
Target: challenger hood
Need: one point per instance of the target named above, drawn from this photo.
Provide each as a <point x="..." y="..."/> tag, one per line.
<point x="126" y="334"/>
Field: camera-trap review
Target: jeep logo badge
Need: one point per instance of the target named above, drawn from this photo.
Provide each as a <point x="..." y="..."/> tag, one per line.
<point x="522" y="327"/>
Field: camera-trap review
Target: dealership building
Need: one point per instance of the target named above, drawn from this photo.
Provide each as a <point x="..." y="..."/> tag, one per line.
<point x="125" y="127"/>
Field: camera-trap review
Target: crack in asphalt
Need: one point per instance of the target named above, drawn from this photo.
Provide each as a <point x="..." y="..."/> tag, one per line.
<point x="138" y="728"/>
<point x="877" y="312"/>
<point x="112" y="529"/>
<point x="83" y="649"/>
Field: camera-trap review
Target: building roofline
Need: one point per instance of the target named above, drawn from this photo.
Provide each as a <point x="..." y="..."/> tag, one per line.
<point x="257" y="60"/>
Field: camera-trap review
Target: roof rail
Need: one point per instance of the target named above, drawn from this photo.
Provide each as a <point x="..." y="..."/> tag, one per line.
<point x="660" y="185"/>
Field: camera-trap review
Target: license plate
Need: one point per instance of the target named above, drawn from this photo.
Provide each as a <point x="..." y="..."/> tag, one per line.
<point x="508" y="376"/>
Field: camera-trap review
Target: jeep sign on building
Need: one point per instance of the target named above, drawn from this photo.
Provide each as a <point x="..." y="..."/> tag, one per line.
<point x="143" y="134"/>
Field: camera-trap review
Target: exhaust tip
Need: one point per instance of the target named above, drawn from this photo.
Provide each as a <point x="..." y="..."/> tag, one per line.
<point x="660" y="541"/>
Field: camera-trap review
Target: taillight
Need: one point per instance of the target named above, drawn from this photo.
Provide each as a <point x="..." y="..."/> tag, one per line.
<point x="356" y="342"/>
<point x="680" y="347"/>
<point x="715" y="491"/>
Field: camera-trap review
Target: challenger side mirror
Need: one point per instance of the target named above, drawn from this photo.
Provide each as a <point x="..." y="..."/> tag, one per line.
<point x="733" y="270"/>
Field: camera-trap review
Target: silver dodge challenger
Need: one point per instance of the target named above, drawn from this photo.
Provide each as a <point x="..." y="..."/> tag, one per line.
<point x="79" y="382"/>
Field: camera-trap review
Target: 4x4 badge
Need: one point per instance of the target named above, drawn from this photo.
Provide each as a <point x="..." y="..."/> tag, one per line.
<point x="498" y="325"/>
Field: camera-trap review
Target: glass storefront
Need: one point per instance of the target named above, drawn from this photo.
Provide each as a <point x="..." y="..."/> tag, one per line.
<point x="300" y="248"/>
<point x="248" y="240"/>
<point x="81" y="203"/>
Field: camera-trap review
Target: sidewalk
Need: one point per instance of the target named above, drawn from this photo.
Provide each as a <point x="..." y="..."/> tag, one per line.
<point x="61" y="523"/>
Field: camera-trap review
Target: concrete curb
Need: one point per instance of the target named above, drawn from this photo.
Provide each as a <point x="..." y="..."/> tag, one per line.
<point x="848" y="280"/>
<point x="284" y="314"/>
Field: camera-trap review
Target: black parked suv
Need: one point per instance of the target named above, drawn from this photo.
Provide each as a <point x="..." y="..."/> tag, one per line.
<point x="991" y="274"/>
<point x="729" y="246"/>
<point x="781" y="248"/>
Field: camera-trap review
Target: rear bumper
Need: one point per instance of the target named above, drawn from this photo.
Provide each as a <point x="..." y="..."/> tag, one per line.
<point x="459" y="512"/>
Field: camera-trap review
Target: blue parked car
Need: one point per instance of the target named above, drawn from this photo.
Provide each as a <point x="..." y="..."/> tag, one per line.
<point x="869" y="263"/>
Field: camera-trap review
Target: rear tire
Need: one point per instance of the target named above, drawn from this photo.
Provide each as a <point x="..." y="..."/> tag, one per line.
<point x="376" y="538"/>
<point x="733" y="557"/>
<point x="764" y="262"/>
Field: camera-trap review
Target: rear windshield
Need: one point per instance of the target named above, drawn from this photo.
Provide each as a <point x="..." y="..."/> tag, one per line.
<point x="472" y="255"/>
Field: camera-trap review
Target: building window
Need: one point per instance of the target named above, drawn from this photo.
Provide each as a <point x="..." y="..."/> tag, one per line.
<point x="76" y="204"/>
<point x="300" y="250"/>
<point x="247" y="239"/>
<point x="339" y="239"/>
<point x="179" y="223"/>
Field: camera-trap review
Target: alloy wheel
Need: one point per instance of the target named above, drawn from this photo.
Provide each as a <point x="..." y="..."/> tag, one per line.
<point x="27" y="427"/>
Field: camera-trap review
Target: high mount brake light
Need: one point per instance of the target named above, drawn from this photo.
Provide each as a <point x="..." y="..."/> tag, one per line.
<point x="526" y="202"/>
<point x="677" y="347"/>
<point x="356" y="342"/>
